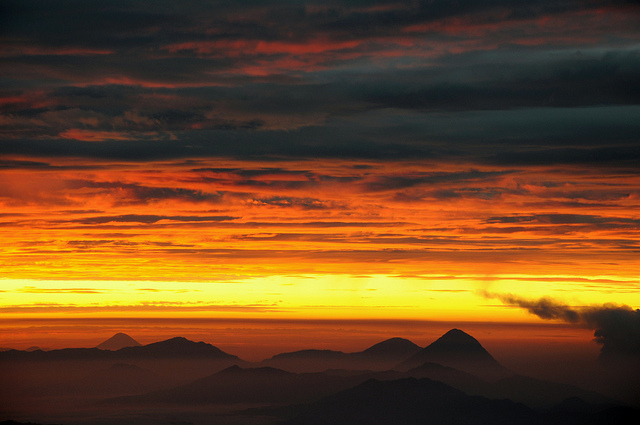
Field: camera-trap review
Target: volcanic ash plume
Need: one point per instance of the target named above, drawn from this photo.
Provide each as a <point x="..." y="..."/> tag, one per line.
<point x="616" y="327"/>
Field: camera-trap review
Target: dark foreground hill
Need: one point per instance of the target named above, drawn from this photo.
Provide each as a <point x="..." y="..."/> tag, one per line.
<point x="10" y="422"/>
<point x="413" y="401"/>
<point x="117" y="379"/>
<point x="254" y="385"/>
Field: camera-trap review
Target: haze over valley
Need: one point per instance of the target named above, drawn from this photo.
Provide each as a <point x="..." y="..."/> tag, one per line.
<point x="195" y="382"/>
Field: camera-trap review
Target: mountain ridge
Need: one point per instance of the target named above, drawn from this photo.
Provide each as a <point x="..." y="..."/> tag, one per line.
<point x="171" y="348"/>
<point x="380" y="356"/>
<point x="461" y="351"/>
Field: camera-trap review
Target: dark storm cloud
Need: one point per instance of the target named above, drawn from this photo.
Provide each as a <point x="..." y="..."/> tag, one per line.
<point x="459" y="83"/>
<point x="470" y="80"/>
<point x="467" y="136"/>
<point x="617" y="328"/>
<point x="380" y="136"/>
<point x="373" y="20"/>
<point x="554" y="80"/>
<point x="623" y="155"/>
<point x="117" y="23"/>
<point x="103" y="25"/>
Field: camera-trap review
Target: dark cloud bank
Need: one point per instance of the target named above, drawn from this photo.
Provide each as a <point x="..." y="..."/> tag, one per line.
<point x="496" y="82"/>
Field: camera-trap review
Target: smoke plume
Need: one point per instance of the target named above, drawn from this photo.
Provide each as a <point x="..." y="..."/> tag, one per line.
<point x="616" y="327"/>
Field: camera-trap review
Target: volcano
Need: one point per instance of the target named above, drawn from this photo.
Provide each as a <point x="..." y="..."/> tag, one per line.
<point x="461" y="351"/>
<point x="118" y="341"/>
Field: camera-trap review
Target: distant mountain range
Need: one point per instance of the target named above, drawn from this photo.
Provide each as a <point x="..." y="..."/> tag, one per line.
<point x="380" y="356"/>
<point x="479" y="374"/>
<point x="252" y="385"/>
<point x="411" y="401"/>
<point x="177" y="347"/>
<point x="455" y="349"/>
<point x="454" y="380"/>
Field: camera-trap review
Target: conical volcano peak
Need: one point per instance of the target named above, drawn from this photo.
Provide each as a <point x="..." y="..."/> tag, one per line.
<point x="457" y="333"/>
<point x="118" y="341"/>
<point x="461" y="351"/>
<point x="458" y="338"/>
<point x="458" y="344"/>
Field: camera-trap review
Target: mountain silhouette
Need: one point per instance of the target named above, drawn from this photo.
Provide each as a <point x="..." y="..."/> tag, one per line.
<point x="311" y="354"/>
<point x="380" y="356"/>
<point x="535" y="393"/>
<point x="309" y="361"/>
<point x="411" y="401"/>
<point x="461" y="351"/>
<point x="390" y="349"/>
<point x="175" y="347"/>
<point x="118" y="341"/>
<point x="248" y="385"/>
<point x="455" y="378"/>
<point x="34" y="348"/>
<point x="542" y="394"/>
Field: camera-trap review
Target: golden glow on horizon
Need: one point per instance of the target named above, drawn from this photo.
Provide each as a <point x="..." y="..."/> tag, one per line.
<point x="312" y="239"/>
<point x="297" y="297"/>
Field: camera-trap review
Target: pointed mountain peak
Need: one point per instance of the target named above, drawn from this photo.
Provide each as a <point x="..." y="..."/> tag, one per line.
<point x="118" y="341"/>
<point x="461" y="351"/>
<point x="458" y="338"/>
<point x="458" y="344"/>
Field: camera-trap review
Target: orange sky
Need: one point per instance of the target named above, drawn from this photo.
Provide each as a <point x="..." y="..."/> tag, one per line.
<point x="312" y="239"/>
<point x="314" y="160"/>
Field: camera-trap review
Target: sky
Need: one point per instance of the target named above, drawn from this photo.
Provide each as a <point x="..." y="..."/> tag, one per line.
<point x="397" y="160"/>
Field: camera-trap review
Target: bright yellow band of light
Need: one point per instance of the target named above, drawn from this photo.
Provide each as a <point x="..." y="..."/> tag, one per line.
<point x="302" y="296"/>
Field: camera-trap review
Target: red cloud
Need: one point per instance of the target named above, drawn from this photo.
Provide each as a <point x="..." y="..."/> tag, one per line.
<point x="94" y="136"/>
